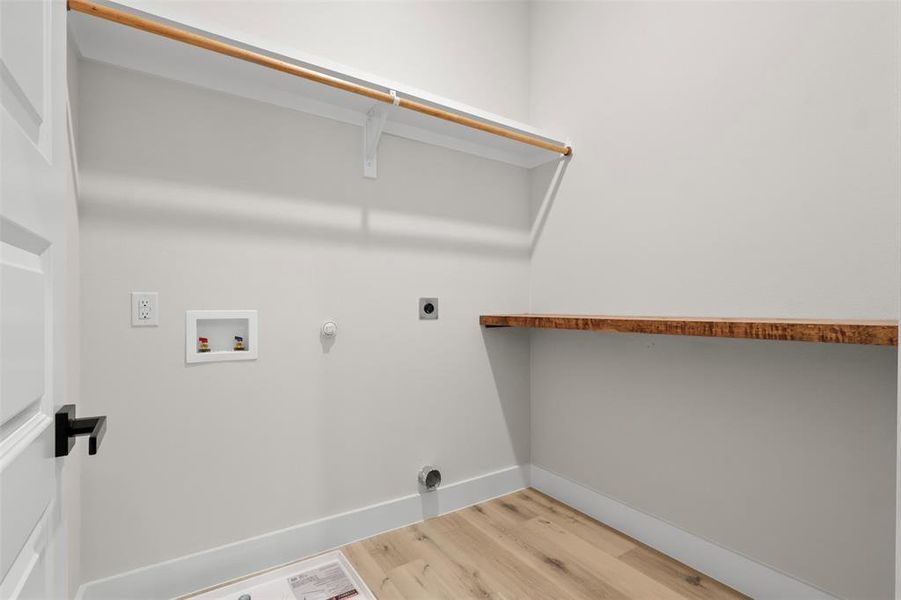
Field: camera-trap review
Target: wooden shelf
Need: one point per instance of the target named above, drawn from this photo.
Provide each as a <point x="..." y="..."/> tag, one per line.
<point x="239" y="64"/>
<point x="876" y="333"/>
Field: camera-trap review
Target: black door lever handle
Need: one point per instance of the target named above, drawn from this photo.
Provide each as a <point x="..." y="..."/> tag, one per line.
<point x="68" y="427"/>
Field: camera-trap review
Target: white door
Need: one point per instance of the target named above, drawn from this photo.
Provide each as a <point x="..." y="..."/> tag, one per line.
<point x="34" y="172"/>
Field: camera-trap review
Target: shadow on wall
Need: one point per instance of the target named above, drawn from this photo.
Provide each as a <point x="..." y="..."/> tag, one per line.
<point x="199" y="208"/>
<point x="545" y="181"/>
<point x="173" y="155"/>
<point x="781" y="451"/>
<point x="203" y="209"/>
<point x="509" y="357"/>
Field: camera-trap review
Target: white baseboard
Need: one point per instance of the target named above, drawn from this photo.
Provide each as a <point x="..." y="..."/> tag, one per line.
<point x="740" y="572"/>
<point x="196" y="571"/>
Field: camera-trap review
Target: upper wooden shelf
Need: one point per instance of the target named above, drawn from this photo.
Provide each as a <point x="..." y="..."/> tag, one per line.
<point x="876" y="333"/>
<point x="240" y="64"/>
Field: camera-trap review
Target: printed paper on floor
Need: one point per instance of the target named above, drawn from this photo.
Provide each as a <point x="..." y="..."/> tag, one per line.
<point x="325" y="582"/>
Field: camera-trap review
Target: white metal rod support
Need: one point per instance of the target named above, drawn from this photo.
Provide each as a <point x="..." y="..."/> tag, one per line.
<point x="373" y="126"/>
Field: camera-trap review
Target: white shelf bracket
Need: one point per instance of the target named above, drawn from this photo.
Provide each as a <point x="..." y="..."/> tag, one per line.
<point x="373" y="126"/>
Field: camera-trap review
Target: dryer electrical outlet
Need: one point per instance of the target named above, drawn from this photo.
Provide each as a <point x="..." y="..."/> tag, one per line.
<point x="428" y="309"/>
<point x="145" y="309"/>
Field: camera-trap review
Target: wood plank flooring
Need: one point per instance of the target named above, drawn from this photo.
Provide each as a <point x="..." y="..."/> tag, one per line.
<point x="525" y="545"/>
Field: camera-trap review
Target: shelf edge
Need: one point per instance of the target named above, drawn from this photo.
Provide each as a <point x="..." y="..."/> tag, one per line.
<point x="862" y="332"/>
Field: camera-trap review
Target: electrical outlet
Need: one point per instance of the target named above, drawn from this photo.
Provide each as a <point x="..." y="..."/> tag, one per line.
<point x="428" y="309"/>
<point x="145" y="309"/>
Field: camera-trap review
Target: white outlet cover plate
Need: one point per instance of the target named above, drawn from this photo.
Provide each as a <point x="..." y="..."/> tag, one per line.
<point x="145" y="309"/>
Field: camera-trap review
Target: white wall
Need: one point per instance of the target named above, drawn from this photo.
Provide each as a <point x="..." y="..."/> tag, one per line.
<point x="471" y="52"/>
<point x="730" y="159"/>
<point x="220" y="202"/>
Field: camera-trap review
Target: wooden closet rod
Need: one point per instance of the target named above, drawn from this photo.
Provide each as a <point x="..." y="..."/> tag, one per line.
<point x="174" y="33"/>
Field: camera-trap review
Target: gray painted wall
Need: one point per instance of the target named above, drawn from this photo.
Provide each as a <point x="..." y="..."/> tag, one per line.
<point x="471" y="52"/>
<point x="220" y="202"/>
<point x="783" y="452"/>
<point x="732" y="159"/>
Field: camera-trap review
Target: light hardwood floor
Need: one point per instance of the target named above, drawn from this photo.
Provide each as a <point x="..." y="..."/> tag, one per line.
<point x="525" y="545"/>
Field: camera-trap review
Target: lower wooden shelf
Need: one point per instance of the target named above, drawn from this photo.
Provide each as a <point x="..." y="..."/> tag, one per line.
<point x="876" y="333"/>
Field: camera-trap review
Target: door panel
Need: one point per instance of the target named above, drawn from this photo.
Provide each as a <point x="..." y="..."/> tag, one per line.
<point x="26" y="490"/>
<point x="37" y="586"/>
<point x="22" y="320"/>
<point x="23" y="68"/>
<point x="34" y="178"/>
<point x="32" y="571"/>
